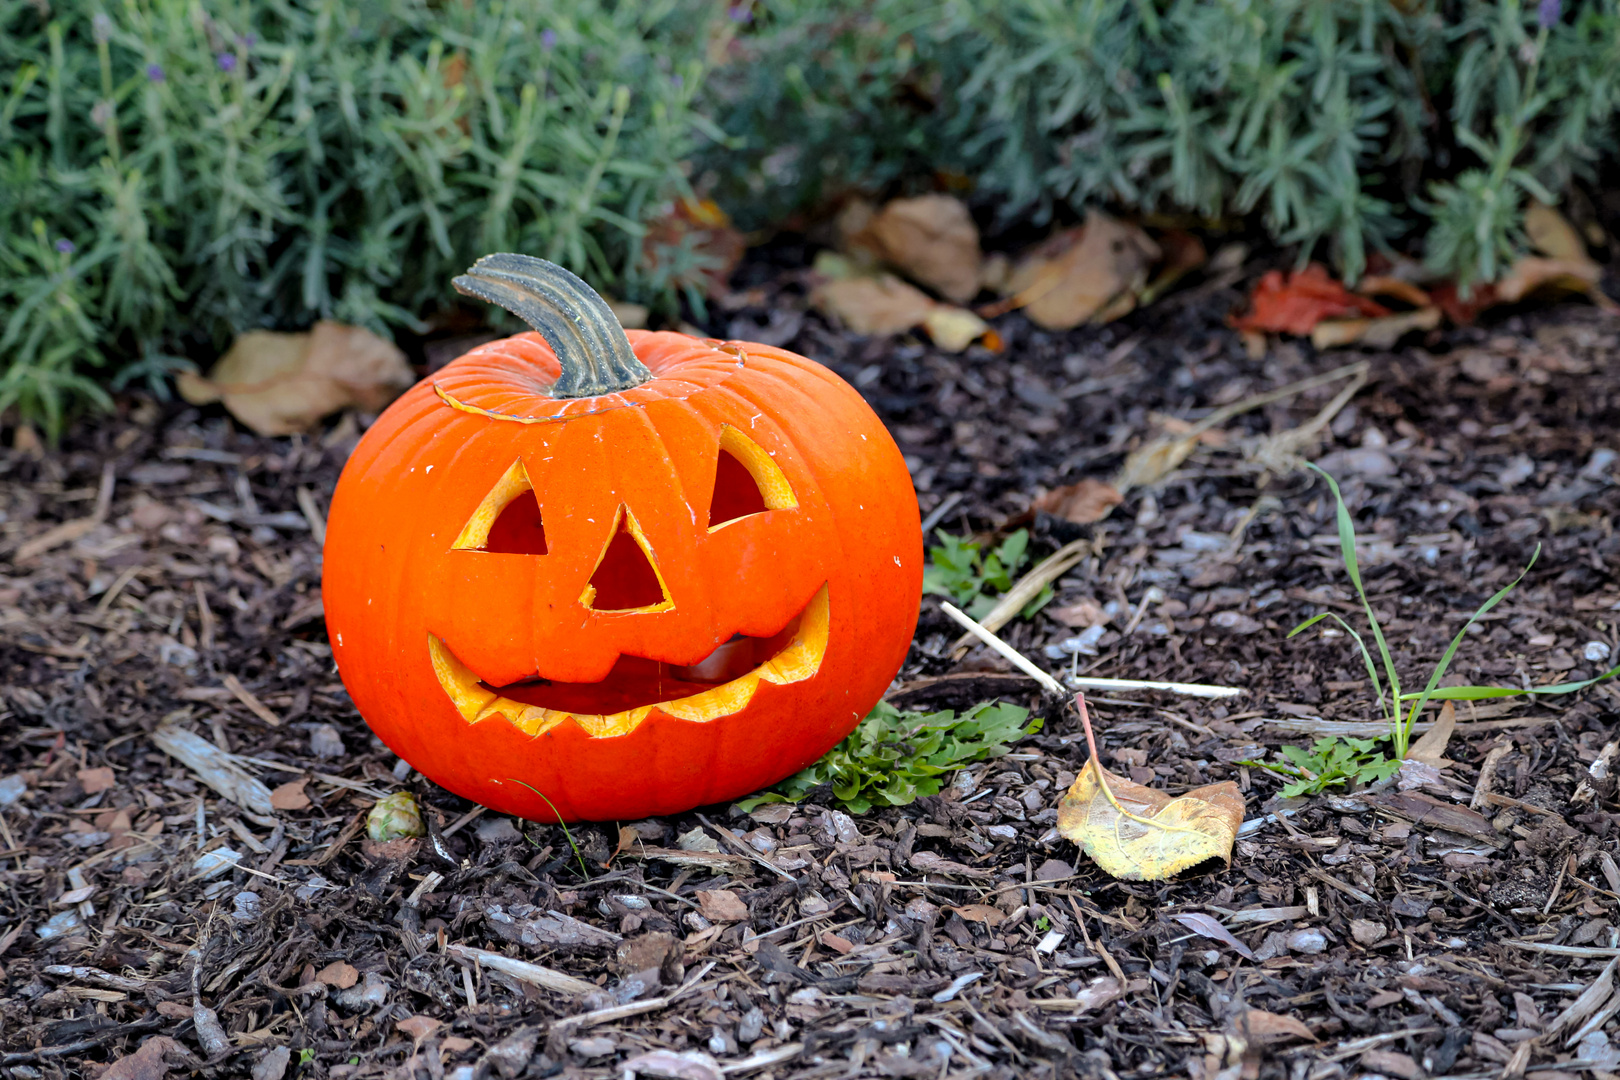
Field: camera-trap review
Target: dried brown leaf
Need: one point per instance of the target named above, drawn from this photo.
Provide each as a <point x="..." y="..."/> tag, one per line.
<point x="419" y="1027"/>
<point x="1551" y="233"/>
<point x="880" y="304"/>
<point x="290" y="796"/>
<point x="932" y="240"/>
<point x="1085" y="502"/>
<point x="1257" y="1025"/>
<point x="281" y="384"/>
<point x="149" y="1061"/>
<point x="94" y="780"/>
<point x="338" y="975"/>
<point x="1432" y="746"/>
<point x="721" y="906"/>
<point x="1377" y="333"/>
<point x="1106" y="268"/>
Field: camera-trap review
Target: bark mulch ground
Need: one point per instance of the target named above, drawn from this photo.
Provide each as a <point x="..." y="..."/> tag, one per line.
<point x="161" y="568"/>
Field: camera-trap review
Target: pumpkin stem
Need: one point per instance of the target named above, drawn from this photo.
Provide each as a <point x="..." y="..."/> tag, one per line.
<point x="577" y="323"/>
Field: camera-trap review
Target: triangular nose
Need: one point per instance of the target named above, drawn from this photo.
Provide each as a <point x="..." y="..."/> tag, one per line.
<point x="626" y="577"/>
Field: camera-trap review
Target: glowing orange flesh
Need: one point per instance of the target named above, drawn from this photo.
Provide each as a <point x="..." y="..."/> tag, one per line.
<point x="798" y="660"/>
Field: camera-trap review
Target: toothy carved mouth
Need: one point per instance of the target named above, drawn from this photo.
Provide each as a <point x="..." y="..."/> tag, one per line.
<point x="636" y="686"/>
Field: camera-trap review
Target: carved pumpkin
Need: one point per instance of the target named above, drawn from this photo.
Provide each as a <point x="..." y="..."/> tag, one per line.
<point x="599" y="574"/>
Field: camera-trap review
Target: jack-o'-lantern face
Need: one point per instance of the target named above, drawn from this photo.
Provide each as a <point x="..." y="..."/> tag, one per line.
<point x="631" y="600"/>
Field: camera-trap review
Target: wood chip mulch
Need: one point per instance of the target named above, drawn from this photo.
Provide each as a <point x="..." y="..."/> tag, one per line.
<point x="161" y="568"/>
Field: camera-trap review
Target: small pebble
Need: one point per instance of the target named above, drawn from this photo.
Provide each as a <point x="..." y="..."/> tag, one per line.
<point x="325" y="742"/>
<point x="498" y="831"/>
<point x="217" y="861"/>
<point x="1308" y="942"/>
<point x="12" y="789"/>
<point x="1596" y="651"/>
<point x="60" y="925"/>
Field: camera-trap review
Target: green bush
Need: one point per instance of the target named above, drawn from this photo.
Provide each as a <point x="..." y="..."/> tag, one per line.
<point x="172" y="172"/>
<point x="1345" y="126"/>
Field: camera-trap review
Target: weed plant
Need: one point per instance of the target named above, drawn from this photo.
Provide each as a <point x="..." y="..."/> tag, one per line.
<point x="973" y="578"/>
<point x="1336" y="761"/>
<point x="894" y="758"/>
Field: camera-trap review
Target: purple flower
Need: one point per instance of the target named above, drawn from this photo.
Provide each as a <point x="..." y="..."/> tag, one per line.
<point x="247" y="41"/>
<point x="227" y="61"/>
<point x="65" y="246"/>
<point x="548" y="38"/>
<point x="1548" y="12"/>
<point x="154" y="73"/>
<point x="676" y="81"/>
<point x="740" y="13"/>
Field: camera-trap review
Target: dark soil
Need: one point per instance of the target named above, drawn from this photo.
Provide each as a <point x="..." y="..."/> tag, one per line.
<point x="1389" y="931"/>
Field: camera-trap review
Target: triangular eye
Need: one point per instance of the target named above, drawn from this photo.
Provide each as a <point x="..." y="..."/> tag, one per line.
<point x="626" y="579"/>
<point x="735" y="493"/>
<point x="518" y="531"/>
<point x="747" y="481"/>
<point x="507" y="522"/>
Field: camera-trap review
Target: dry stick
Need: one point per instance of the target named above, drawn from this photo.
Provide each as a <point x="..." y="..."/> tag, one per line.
<point x="1027" y="588"/>
<point x="1051" y="685"/>
<point x="523" y="970"/>
<point x="725" y="834"/>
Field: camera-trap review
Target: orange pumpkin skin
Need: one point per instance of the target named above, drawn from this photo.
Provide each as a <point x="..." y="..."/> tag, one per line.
<point x="394" y="580"/>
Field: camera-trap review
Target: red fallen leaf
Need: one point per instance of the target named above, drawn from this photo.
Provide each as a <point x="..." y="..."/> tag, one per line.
<point x="1459" y="311"/>
<point x="1294" y="305"/>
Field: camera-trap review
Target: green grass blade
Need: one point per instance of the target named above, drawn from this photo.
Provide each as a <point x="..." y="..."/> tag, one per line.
<point x="1445" y="661"/>
<point x="1366" y="656"/>
<point x="1308" y="623"/>
<point x="1479" y="693"/>
<point x="1347" y="549"/>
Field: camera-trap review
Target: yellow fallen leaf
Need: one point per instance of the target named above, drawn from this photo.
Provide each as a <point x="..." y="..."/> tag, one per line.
<point x="1432" y="746"/>
<point x="1378" y="333"/>
<point x="952" y="328"/>
<point x="1138" y="834"/>
<point x="1153" y="461"/>
<point x="1530" y="274"/>
<point x="280" y="384"/>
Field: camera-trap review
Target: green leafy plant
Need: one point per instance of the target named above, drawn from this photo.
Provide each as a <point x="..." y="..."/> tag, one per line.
<point x="893" y="758"/>
<point x="1331" y="762"/>
<point x="1345" y="128"/>
<point x="1390" y="700"/>
<point x="172" y="174"/>
<point x="958" y="569"/>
